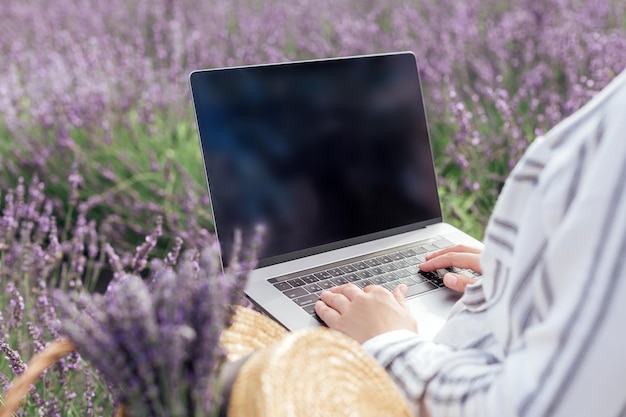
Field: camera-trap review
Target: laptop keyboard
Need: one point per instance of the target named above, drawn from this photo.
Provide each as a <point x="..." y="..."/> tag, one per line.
<point x="387" y="269"/>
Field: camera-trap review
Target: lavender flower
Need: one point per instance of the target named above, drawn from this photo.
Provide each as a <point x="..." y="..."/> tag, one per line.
<point x="16" y="306"/>
<point x="75" y="180"/>
<point x="158" y="342"/>
<point x="36" y="336"/>
<point x="90" y="393"/>
<point x="17" y="364"/>
<point x="140" y="259"/>
<point x="172" y="256"/>
<point x="5" y="382"/>
<point x="114" y="260"/>
<point x="28" y="320"/>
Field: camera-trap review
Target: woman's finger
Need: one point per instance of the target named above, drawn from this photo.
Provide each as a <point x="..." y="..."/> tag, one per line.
<point x="457" y="282"/>
<point x="455" y="248"/>
<point x="338" y="302"/>
<point x="347" y="290"/>
<point x="329" y="315"/>
<point x="456" y="259"/>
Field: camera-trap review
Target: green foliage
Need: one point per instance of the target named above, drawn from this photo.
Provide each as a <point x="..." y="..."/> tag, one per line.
<point x="129" y="175"/>
<point x="465" y="209"/>
<point x="69" y="388"/>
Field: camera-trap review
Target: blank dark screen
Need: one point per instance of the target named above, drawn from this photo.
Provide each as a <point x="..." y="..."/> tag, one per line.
<point x="322" y="153"/>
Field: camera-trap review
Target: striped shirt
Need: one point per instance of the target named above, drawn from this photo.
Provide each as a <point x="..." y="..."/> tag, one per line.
<point x="543" y="333"/>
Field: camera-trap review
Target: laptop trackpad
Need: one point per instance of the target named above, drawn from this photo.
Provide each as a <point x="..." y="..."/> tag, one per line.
<point x="431" y="311"/>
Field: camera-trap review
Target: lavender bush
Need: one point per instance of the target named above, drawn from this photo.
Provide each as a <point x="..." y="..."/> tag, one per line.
<point x="35" y="256"/>
<point x="102" y="89"/>
<point x="186" y="301"/>
<point x="158" y="344"/>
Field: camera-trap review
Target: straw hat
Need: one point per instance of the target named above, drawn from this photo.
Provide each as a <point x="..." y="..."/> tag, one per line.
<point x="274" y="373"/>
<point x="313" y="372"/>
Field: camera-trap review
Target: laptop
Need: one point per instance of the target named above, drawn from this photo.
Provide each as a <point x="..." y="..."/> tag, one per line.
<point x="333" y="158"/>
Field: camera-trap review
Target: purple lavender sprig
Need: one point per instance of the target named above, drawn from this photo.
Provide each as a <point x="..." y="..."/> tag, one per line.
<point x="34" y="256"/>
<point x="16" y="304"/>
<point x="157" y="341"/>
<point x="15" y="360"/>
<point x="140" y="260"/>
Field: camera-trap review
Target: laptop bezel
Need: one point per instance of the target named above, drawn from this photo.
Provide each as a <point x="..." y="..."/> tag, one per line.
<point x="277" y="259"/>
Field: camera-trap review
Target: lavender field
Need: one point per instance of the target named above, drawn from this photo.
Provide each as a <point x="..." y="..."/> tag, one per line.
<point x="100" y="167"/>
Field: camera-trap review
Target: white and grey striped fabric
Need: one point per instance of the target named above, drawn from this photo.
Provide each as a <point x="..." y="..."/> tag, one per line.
<point x="543" y="333"/>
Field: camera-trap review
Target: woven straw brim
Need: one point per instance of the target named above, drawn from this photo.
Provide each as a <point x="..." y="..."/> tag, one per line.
<point x="250" y="331"/>
<point x="314" y="373"/>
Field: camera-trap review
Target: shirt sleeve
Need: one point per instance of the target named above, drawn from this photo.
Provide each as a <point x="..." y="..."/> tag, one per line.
<point x="407" y="357"/>
<point x="415" y="363"/>
<point x="439" y="380"/>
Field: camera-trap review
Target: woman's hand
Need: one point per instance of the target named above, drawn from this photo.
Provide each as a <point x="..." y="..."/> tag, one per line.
<point x="459" y="256"/>
<point x="363" y="314"/>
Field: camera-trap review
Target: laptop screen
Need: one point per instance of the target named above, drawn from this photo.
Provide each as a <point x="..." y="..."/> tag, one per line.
<point x="323" y="153"/>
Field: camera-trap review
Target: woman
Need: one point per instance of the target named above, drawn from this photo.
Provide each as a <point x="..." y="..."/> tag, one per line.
<point x="541" y="332"/>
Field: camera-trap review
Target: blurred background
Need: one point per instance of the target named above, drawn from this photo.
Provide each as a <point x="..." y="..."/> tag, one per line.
<point x="95" y="103"/>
